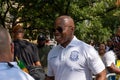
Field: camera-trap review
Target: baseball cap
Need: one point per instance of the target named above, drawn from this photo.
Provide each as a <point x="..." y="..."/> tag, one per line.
<point x="41" y="37"/>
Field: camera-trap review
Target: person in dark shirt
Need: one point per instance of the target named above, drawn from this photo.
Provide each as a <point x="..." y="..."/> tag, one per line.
<point x="116" y="42"/>
<point x="30" y="57"/>
<point x="43" y="50"/>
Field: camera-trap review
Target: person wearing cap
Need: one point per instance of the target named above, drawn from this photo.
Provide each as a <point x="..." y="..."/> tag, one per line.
<point x="9" y="70"/>
<point x="43" y="50"/>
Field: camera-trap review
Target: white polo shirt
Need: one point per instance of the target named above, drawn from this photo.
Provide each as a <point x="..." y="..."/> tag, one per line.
<point x="13" y="73"/>
<point x="78" y="61"/>
<point x="109" y="58"/>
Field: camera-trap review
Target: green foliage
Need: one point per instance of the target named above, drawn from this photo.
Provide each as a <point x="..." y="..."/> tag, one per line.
<point x="94" y="19"/>
<point x="93" y="22"/>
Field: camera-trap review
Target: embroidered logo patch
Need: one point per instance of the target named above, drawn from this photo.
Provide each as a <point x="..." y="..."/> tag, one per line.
<point x="74" y="56"/>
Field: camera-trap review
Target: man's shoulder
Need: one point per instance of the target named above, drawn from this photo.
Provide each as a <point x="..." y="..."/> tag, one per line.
<point x="110" y="53"/>
<point x="29" y="43"/>
<point x="15" y="70"/>
<point x="86" y="48"/>
<point x="21" y="41"/>
<point x="83" y="45"/>
<point x="54" y="49"/>
<point x="78" y="42"/>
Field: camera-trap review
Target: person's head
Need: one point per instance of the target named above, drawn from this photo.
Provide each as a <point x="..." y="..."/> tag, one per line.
<point x="118" y="31"/>
<point x="109" y="42"/>
<point x="102" y="49"/>
<point x="41" y="39"/>
<point x="64" y="30"/>
<point x="6" y="46"/>
<point x="18" y="32"/>
<point x="92" y="42"/>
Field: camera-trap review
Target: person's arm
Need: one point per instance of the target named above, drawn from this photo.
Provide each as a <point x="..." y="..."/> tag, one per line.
<point x="35" y="56"/>
<point x="101" y="75"/>
<point x="113" y="69"/>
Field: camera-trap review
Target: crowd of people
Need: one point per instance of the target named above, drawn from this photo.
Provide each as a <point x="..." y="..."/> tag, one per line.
<point x="70" y="59"/>
<point x="110" y="54"/>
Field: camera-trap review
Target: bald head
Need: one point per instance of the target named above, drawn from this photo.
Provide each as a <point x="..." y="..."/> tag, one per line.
<point x="5" y="46"/>
<point x="66" y="20"/>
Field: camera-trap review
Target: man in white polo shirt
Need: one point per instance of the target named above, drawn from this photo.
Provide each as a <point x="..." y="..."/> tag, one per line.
<point x="72" y="59"/>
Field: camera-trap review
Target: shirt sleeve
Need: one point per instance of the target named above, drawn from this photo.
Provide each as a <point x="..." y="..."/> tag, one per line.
<point x="94" y="61"/>
<point x="109" y="58"/>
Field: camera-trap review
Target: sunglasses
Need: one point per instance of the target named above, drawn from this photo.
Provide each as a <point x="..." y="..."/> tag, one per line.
<point x="59" y="29"/>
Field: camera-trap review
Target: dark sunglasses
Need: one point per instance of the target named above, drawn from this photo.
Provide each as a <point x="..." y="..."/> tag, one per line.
<point x="58" y="29"/>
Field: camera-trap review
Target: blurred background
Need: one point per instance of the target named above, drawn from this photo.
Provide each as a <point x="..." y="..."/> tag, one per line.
<point x="95" y="20"/>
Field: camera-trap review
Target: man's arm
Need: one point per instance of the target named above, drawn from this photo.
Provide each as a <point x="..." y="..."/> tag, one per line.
<point x="113" y="69"/>
<point x="101" y="75"/>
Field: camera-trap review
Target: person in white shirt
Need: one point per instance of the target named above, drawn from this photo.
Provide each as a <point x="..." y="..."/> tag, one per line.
<point x="9" y="70"/>
<point x="109" y="59"/>
<point x="72" y="59"/>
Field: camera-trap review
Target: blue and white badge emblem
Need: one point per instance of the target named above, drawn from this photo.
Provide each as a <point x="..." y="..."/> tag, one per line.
<point x="74" y="56"/>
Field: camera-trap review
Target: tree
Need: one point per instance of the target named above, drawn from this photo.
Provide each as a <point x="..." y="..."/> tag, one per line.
<point x="94" y="19"/>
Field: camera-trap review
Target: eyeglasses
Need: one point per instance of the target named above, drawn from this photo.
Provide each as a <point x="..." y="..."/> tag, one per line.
<point x="58" y="29"/>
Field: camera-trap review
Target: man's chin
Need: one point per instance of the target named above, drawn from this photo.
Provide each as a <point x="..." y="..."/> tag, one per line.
<point x="59" y="41"/>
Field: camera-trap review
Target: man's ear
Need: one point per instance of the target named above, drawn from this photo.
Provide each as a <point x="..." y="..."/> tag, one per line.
<point x="12" y="49"/>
